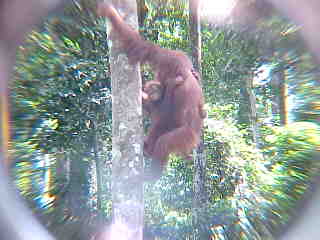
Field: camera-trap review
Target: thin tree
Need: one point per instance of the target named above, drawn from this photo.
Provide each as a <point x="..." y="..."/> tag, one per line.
<point x="248" y="110"/>
<point x="200" y="196"/>
<point x="280" y="96"/>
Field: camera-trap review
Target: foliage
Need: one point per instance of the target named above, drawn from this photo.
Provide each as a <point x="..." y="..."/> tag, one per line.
<point x="249" y="194"/>
<point x="62" y="93"/>
<point x="229" y="57"/>
<point x="262" y="206"/>
<point x="291" y="167"/>
<point x="230" y="161"/>
<point x="166" y="23"/>
<point x="307" y="100"/>
<point x="62" y="110"/>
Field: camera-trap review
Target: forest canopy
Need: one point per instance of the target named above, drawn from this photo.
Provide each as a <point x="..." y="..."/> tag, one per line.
<point x="260" y="136"/>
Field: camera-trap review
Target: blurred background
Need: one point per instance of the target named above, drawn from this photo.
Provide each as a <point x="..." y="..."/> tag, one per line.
<point x="260" y="140"/>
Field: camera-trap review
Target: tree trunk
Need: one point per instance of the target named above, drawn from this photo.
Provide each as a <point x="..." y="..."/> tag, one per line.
<point x="284" y="113"/>
<point x="127" y="141"/>
<point x="98" y="167"/>
<point x="195" y="33"/>
<point x="248" y="110"/>
<point x="253" y="117"/>
<point x="275" y="98"/>
<point x="72" y="204"/>
<point x="200" y="196"/>
<point x="5" y="127"/>
<point x="280" y="97"/>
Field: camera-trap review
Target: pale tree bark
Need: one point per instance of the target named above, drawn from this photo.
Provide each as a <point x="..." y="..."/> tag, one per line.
<point x="127" y="139"/>
<point x="284" y="104"/>
<point x="248" y="110"/>
<point x="200" y="196"/>
<point x="253" y="116"/>
<point x="275" y="98"/>
<point x="195" y="33"/>
<point x="280" y="97"/>
<point x="98" y="166"/>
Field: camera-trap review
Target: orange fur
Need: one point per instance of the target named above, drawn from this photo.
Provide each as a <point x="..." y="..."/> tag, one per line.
<point x="176" y="120"/>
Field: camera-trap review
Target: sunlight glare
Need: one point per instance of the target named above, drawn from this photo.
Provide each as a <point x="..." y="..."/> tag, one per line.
<point x="217" y="8"/>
